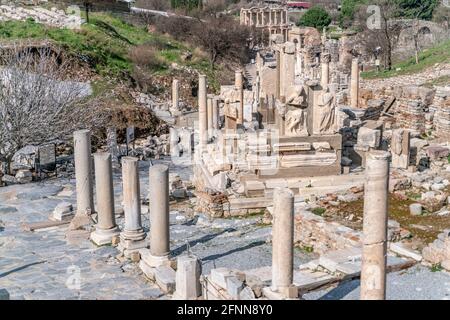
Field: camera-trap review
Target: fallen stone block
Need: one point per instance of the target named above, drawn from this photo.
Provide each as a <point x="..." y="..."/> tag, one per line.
<point x="63" y="211"/>
<point x="234" y="287"/>
<point x="400" y="249"/>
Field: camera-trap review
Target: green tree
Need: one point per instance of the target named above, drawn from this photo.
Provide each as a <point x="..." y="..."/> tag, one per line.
<point x="348" y="9"/>
<point x="316" y="17"/>
<point x="417" y="9"/>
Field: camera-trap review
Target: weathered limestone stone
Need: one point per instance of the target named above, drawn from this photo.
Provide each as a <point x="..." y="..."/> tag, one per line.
<point x="83" y="171"/>
<point x="415" y="209"/>
<point x="165" y="278"/>
<point x="354" y="88"/>
<point x="188" y="273"/>
<point x="63" y="211"/>
<point x="373" y="270"/>
<point x="111" y="140"/>
<point x="239" y="84"/>
<point x="132" y="237"/>
<point x="24" y="176"/>
<point x="106" y="227"/>
<point x="368" y="137"/>
<point x="202" y="113"/>
<point x="400" y="148"/>
<point x="325" y="78"/>
<point x="282" y="241"/>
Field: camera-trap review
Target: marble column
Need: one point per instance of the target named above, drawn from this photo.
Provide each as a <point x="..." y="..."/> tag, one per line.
<point x="159" y="211"/>
<point x="278" y="74"/>
<point x="282" y="241"/>
<point x="106" y="227"/>
<point x="239" y="84"/>
<point x="373" y="269"/>
<point x="287" y="71"/>
<point x="325" y="77"/>
<point x="202" y="112"/>
<point x="175" y="94"/>
<point x="83" y="171"/>
<point x="215" y="113"/>
<point x="187" y="279"/>
<point x="354" y="88"/>
<point x="209" y="113"/>
<point x="132" y="237"/>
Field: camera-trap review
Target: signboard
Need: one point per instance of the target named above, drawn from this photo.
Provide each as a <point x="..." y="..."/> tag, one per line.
<point x="47" y="157"/>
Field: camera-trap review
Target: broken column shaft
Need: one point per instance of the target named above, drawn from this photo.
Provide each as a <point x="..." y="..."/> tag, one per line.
<point x="354" y="88"/>
<point x="210" y="116"/>
<point x="188" y="285"/>
<point x="202" y="113"/>
<point x="373" y="269"/>
<point x="159" y="210"/>
<point x="131" y="238"/>
<point x="175" y="94"/>
<point x="239" y="84"/>
<point x="83" y="171"/>
<point x="282" y="240"/>
<point x="106" y="227"/>
<point x="325" y="78"/>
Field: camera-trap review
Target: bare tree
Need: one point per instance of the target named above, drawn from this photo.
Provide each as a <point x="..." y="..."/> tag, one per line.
<point x="37" y="102"/>
<point x="382" y="32"/>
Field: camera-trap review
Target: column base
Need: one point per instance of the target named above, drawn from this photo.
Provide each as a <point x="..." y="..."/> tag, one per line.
<point x="287" y="293"/>
<point x="132" y="241"/>
<point x="104" y="236"/>
<point x="152" y="260"/>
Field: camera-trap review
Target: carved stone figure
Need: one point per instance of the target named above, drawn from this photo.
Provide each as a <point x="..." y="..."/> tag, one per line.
<point x="296" y="123"/>
<point x="327" y="112"/>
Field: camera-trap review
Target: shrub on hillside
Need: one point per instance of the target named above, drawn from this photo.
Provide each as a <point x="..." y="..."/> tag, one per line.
<point x="316" y="17"/>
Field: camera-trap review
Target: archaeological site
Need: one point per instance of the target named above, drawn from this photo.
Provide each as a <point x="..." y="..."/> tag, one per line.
<point x="225" y="150"/>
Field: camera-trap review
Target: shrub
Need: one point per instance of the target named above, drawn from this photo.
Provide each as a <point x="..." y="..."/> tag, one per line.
<point x="316" y="17"/>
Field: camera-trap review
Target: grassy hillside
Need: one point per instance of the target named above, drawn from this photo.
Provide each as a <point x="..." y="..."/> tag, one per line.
<point x="106" y="43"/>
<point x="427" y="58"/>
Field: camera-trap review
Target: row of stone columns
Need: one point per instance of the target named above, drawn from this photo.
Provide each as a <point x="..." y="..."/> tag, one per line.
<point x="373" y="269"/>
<point x="264" y="17"/>
<point x="132" y="236"/>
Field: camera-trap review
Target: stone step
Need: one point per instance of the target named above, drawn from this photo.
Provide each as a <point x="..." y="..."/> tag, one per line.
<point x="165" y="278"/>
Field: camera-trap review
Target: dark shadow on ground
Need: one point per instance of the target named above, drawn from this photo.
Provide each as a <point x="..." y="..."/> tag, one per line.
<point x="203" y="239"/>
<point x="220" y="255"/>
<point x="341" y="291"/>
<point x="20" y="268"/>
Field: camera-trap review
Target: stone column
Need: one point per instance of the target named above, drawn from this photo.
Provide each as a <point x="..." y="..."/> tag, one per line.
<point x="278" y="74"/>
<point x="325" y="78"/>
<point x="159" y="211"/>
<point x="400" y="148"/>
<point x="83" y="171"/>
<point x="239" y="84"/>
<point x="187" y="278"/>
<point x="202" y="112"/>
<point x="373" y="269"/>
<point x="113" y="148"/>
<point x="210" y="116"/>
<point x="132" y="237"/>
<point x="282" y="241"/>
<point x="175" y="94"/>
<point x="287" y="71"/>
<point x="106" y="227"/>
<point x="354" y="89"/>
<point x="215" y="113"/>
